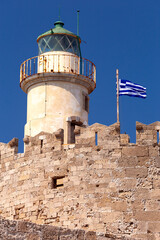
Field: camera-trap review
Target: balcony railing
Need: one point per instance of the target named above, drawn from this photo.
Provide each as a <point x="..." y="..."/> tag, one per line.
<point x="58" y="63"/>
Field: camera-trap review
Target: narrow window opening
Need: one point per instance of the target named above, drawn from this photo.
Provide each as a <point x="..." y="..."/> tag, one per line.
<point x="158" y="136"/>
<point x="85" y="102"/>
<point x="72" y="133"/>
<point x="57" y="182"/>
<point x="96" y="138"/>
<point x="41" y="143"/>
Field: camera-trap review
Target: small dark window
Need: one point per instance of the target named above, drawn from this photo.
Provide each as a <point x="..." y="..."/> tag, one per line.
<point x="85" y="102"/>
<point x="41" y="143"/>
<point x="72" y="133"/>
<point x="57" y="182"/>
<point x="41" y="151"/>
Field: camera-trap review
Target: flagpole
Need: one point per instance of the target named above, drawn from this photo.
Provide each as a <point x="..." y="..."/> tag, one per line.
<point x="117" y="76"/>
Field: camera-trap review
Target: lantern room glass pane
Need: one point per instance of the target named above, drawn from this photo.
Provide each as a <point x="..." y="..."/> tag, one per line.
<point x="59" y="42"/>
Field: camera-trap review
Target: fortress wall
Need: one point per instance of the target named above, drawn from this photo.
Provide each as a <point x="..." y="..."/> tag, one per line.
<point x="112" y="188"/>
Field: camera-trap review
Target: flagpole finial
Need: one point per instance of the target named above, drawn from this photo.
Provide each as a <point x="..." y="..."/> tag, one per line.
<point x="117" y="71"/>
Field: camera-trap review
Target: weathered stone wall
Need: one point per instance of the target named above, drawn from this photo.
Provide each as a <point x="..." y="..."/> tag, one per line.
<point x="112" y="188"/>
<point x="20" y="230"/>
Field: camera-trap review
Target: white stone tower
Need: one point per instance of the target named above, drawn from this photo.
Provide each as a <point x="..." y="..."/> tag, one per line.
<point x="57" y="83"/>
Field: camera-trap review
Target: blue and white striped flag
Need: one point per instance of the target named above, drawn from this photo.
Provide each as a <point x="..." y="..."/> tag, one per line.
<point x="131" y="89"/>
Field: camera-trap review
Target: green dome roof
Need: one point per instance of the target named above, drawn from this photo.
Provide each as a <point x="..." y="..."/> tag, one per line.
<point x="58" y="29"/>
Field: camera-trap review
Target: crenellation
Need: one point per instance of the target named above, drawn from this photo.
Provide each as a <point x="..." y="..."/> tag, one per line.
<point x="147" y="134"/>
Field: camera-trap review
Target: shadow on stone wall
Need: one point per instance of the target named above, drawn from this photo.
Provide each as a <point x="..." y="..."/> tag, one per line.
<point x="20" y="230"/>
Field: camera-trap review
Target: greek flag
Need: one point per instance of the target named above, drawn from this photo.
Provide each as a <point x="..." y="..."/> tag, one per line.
<point x="131" y="89"/>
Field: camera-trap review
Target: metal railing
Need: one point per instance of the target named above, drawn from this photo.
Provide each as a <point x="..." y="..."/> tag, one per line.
<point x="58" y="63"/>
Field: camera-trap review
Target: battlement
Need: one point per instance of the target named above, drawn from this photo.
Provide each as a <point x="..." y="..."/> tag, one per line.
<point x="100" y="183"/>
<point x="109" y="135"/>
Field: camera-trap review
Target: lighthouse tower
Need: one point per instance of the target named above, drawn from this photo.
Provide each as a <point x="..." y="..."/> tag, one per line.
<point x="58" y="83"/>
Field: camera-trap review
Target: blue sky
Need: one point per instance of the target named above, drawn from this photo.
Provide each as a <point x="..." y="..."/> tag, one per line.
<point x="123" y="34"/>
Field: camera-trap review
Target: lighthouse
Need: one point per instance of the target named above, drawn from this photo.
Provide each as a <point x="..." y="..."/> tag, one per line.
<point x="57" y="82"/>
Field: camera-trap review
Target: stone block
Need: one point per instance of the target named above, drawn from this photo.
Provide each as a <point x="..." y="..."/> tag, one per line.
<point x="156" y="183"/>
<point x="143" y="237"/>
<point x="154" y="227"/>
<point x="143" y="161"/>
<point x="154" y="151"/>
<point x="142" y="194"/>
<point x="147" y="215"/>
<point x="24" y="177"/>
<point x="127" y="161"/>
<point x="68" y="237"/>
<point x="124" y="139"/>
<point x="80" y="234"/>
<point x="33" y="236"/>
<point x="111" y="216"/>
<point x="90" y="236"/>
<point x="50" y="233"/>
<point x="13" y="143"/>
<point x="139" y="127"/>
<point x="118" y="173"/>
<point x="154" y="194"/>
<point x="127" y="184"/>
<point x="119" y="206"/>
<point x="140" y="172"/>
<point x="26" y="139"/>
<point x="138" y="151"/>
<point x="157" y="162"/>
<point x="142" y="227"/>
